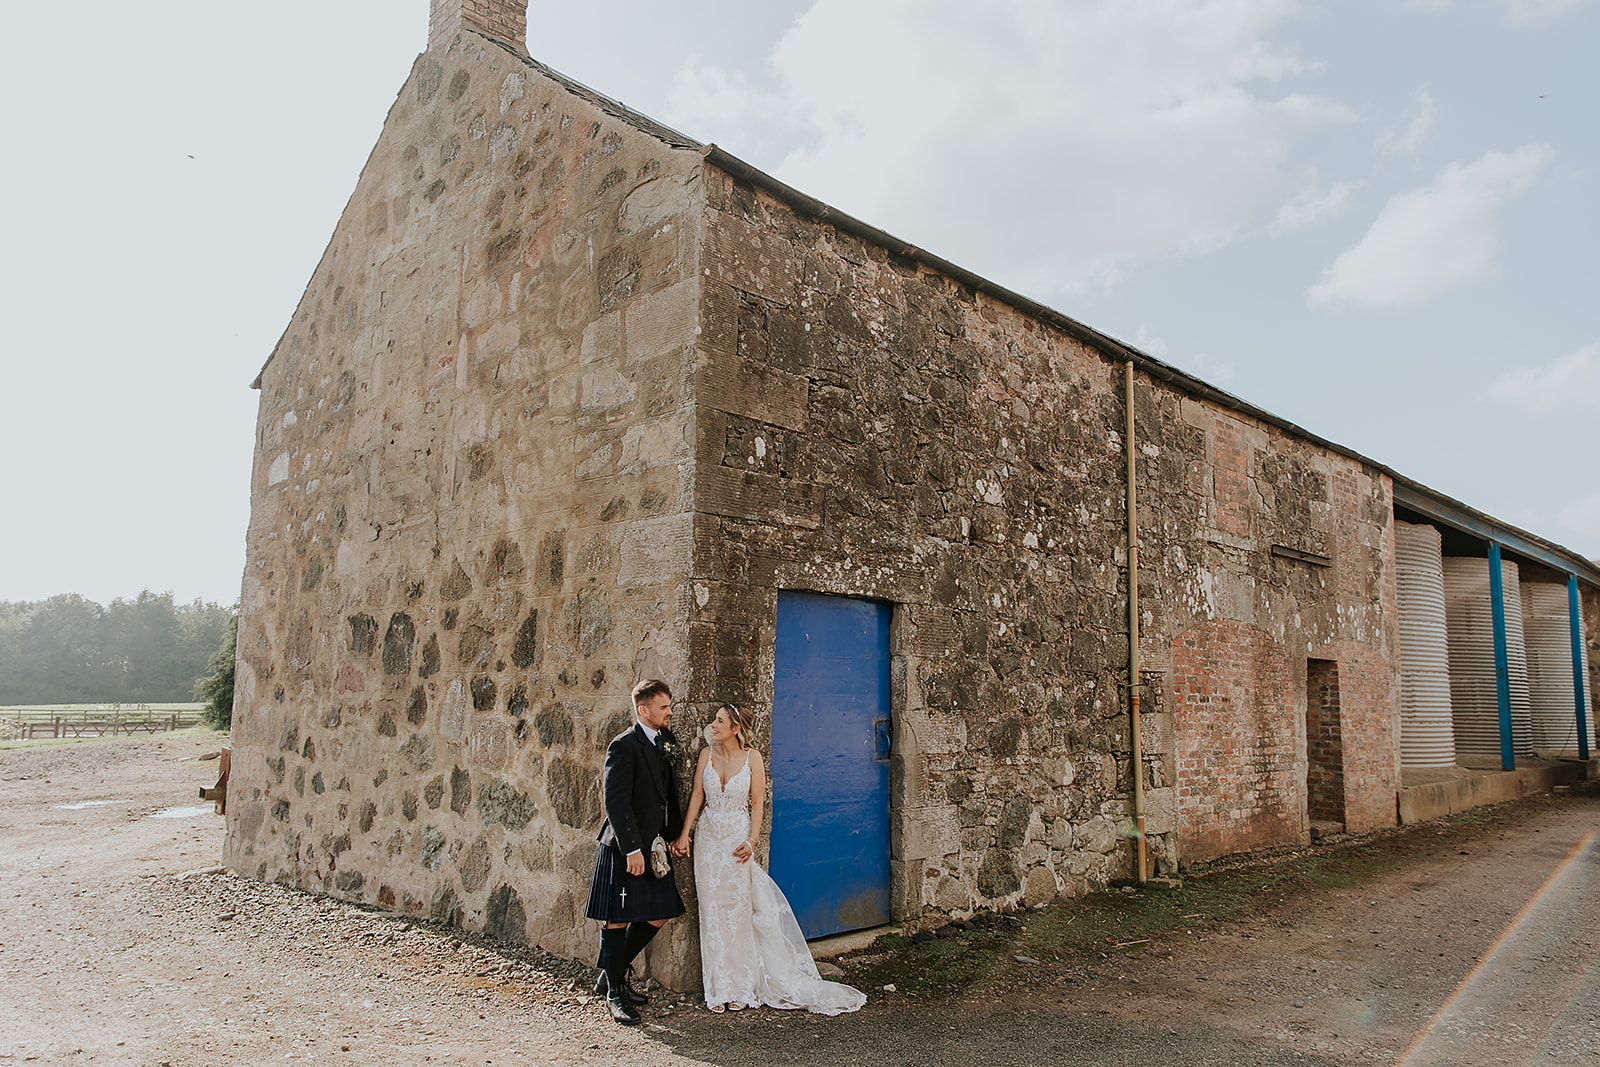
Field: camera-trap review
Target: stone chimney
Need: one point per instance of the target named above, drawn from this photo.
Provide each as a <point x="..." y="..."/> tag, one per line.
<point x="504" y="20"/>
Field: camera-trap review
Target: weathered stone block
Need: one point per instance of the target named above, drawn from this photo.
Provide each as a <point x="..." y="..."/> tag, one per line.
<point x="929" y="833"/>
<point x="1160" y="811"/>
<point x="1041" y="887"/>
<point x="453" y="711"/>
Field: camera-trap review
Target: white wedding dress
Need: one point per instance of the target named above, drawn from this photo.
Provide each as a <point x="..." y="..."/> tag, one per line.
<point x="751" y="949"/>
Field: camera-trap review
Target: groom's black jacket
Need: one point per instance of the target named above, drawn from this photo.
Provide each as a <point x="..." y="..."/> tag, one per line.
<point x="641" y="793"/>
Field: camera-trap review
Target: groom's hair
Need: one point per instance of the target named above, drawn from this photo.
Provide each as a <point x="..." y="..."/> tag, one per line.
<point x="649" y="690"/>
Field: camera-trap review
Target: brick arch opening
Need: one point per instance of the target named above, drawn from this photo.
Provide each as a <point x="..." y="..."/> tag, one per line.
<point x="1236" y="740"/>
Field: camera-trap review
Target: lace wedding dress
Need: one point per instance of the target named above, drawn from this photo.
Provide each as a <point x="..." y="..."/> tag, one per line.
<point x="751" y="947"/>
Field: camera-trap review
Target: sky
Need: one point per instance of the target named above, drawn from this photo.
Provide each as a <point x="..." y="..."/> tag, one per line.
<point x="1375" y="219"/>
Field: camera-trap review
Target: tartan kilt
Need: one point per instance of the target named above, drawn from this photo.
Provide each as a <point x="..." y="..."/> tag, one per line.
<point x="648" y="898"/>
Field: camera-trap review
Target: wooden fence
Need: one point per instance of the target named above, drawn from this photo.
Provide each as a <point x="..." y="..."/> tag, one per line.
<point x="24" y="722"/>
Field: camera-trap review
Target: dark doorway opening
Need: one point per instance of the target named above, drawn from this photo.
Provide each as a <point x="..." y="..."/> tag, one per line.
<point x="1324" y="745"/>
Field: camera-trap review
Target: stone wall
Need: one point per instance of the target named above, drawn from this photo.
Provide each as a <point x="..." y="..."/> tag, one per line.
<point x="565" y="406"/>
<point x="470" y="526"/>
<point x="869" y="427"/>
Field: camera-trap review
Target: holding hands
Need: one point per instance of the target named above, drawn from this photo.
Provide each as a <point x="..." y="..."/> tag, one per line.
<point x="743" y="853"/>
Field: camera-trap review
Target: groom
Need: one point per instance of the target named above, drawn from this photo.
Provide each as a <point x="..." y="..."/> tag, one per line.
<point x="641" y="799"/>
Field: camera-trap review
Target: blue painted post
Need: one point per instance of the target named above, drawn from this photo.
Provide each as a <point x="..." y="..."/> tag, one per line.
<point x="1502" y="666"/>
<point x="1577" y="666"/>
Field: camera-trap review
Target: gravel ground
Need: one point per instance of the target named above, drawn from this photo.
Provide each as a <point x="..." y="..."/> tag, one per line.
<point x="124" y="943"/>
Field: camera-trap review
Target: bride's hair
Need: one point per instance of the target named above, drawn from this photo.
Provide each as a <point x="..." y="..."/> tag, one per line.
<point x="741" y="721"/>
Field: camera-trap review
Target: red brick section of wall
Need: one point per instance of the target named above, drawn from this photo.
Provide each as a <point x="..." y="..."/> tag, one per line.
<point x="1324" y="745"/>
<point x="1230" y="477"/>
<point x="1368" y="696"/>
<point x="1237" y="787"/>
<point x="1369" y="685"/>
<point x="505" y="19"/>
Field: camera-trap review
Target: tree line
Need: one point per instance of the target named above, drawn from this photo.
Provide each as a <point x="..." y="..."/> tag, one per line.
<point x="70" y="650"/>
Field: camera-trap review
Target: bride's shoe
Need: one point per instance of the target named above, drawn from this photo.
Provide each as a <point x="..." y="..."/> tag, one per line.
<point x="718" y="1008"/>
<point x="734" y="1005"/>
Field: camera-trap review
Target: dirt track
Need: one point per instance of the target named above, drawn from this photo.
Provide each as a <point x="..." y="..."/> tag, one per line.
<point x="110" y="954"/>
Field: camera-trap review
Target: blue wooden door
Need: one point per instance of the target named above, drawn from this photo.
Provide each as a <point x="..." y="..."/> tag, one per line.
<point x="830" y="761"/>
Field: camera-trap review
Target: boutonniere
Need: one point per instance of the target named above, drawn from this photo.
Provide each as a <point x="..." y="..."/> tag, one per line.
<point x="669" y="749"/>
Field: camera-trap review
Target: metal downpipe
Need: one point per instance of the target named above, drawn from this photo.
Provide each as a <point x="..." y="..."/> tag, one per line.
<point x="1133" y="628"/>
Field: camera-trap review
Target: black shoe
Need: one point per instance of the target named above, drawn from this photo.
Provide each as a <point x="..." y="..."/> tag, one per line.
<point x="621" y="1010"/>
<point x="630" y="992"/>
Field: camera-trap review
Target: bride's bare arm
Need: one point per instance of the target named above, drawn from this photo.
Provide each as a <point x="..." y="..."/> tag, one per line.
<point x="696" y="800"/>
<point x="758" y="799"/>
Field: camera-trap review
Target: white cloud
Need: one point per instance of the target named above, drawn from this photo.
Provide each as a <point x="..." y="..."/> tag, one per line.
<point x="1537" y="12"/>
<point x="1148" y="341"/>
<point x="720" y="100"/>
<point x="1528" y="13"/>
<point x="1409" y="141"/>
<point x="1431" y="240"/>
<point x="1217" y="372"/>
<point x="1064" y="143"/>
<point x="1311" y="207"/>
<point x="1570" y="381"/>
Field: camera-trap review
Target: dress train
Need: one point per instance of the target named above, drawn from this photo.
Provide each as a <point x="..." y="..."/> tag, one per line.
<point x="752" y="951"/>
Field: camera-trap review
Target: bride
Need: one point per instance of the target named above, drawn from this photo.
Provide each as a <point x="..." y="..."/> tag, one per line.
<point x="751" y="949"/>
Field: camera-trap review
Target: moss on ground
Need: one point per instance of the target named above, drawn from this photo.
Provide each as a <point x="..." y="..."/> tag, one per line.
<point x="1070" y="935"/>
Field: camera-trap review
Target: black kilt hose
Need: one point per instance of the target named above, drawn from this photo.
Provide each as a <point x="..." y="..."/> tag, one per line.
<point x="641" y="801"/>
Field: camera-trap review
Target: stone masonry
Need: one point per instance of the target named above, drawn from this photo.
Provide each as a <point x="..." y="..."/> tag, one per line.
<point x="570" y="398"/>
<point x="472" y="505"/>
<point x="869" y="427"/>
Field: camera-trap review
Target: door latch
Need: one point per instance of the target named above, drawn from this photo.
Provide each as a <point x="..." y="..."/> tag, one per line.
<point x="881" y="738"/>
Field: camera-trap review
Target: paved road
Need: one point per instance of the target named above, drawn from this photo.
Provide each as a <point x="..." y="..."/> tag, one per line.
<point x="1534" y="996"/>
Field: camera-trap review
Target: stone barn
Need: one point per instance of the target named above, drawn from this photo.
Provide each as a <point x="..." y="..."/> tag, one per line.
<point x="572" y="400"/>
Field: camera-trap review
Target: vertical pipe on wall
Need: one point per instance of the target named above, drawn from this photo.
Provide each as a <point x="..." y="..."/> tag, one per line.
<point x="1502" y="664"/>
<point x="1575" y="614"/>
<point x="1133" y="629"/>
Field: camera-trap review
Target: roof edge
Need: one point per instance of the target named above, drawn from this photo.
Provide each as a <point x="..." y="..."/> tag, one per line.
<point x="1414" y="494"/>
<point x="1407" y="491"/>
<point x="1469" y="520"/>
<point x="615" y="108"/>
<point x="1108" y="346"/>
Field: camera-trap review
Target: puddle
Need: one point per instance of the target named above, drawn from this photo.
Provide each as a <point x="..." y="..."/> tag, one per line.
<point x="186" y="812"/>
<point x="80" y="805"/>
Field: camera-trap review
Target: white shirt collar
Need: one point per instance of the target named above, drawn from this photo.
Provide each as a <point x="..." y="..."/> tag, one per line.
<point x="649" y="733"/>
